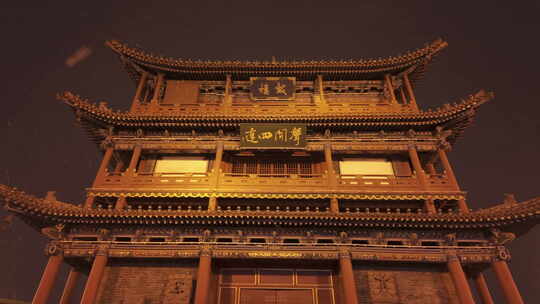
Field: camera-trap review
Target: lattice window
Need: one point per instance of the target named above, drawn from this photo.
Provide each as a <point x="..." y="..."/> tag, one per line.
<point x="305" y="168"/>
<point x="251" y="166"/>
<point x="238" y="167"/>
<point x="273" y="167"/>
<point x="265" y="167"/>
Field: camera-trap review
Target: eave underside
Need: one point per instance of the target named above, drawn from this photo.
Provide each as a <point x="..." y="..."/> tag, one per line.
<point x="456" y="117"/>
<point x="45" y="213"/>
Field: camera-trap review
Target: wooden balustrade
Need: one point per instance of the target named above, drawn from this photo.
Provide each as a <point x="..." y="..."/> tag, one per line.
<point x="270" y="182"/>
<point x="373" y="181"/>
<point x="293" y="108"/>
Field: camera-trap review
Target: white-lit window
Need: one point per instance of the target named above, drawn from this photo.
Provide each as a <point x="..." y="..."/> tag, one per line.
<point x="366" y="166"/>
<point x="181" y="164"/>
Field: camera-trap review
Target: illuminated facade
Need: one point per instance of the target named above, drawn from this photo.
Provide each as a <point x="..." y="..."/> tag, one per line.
<point x="316" y="182"/>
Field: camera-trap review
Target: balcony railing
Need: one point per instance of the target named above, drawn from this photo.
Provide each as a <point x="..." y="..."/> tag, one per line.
<point x="377" y="181"/>
<point x="308" y="107"/>
<point x="154" y="180"/>
<point x="271" y="182"/>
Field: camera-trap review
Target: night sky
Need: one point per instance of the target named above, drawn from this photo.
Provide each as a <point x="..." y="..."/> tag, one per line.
<point x="492" y="45"/>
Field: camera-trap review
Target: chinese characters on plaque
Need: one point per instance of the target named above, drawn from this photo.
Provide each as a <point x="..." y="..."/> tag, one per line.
<point x="272" y="135"/>
<point x="272" y="88"/>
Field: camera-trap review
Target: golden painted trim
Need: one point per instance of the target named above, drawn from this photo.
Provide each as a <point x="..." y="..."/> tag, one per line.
<point x="276" y="195"/>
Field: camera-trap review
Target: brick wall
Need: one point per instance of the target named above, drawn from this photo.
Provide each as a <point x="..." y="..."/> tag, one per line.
<point x="412" y="285"/>
<point x="148" y="282"/>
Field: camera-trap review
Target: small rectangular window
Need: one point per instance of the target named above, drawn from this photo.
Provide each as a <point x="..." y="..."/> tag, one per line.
<point x="360" y="242"/>
<point x="181" y="164"/>
<point x="325" y="241"/>
<point x="257" y="240"/>
<point x="366" y="166"/>
<point x="157" y="239"/>
<point x="85" y="238"/>
<point x="430" y="243"/>
<point x="190" y="240"/>
<point x="123" y="239"/>
<point x="470" y="244"/>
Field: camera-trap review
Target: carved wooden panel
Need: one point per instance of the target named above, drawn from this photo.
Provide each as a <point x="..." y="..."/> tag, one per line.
<point x="276" y="277"/>
<point x="181" y="92"/>
<point x="238" y="276"/>
<point x="314" y="277"/>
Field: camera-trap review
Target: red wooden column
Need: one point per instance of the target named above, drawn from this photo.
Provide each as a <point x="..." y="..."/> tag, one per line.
<point x="121" y="203"/>
<point x="483" y="289"/>
<point x="347" y="275"/>
<point x="447" y="167"/>
<point x="415" y="160"/>
<point x="216" y="167"/>
<point x="203" y="277"/>
<point x="334" y="205"/>
<point x="319" y="92"/>
<point x="47" y="279"/>
<point x="157" y="89"/>
<point x="390" y="87"/>
<point x="227" y="99"/>
<point x="429" y="206"/>
<point x="140" y="87"/>
<point x="71" y="282"/>
<point x="410" y="92"/>
<point x="134" y="160"/>
<point x="104" y="163"/>
<point x="332" y="176"/>
<point x="460" y="280"/>
<point x="506" y="281"/>
<point x="94" y="278"/>
<point x="212" y="203"/>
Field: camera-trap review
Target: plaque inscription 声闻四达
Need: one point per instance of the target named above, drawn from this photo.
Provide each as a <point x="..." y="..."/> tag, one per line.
<point x="291" y="136"/>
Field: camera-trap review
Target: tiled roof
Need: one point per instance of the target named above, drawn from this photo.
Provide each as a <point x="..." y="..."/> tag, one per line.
<point x="415" y="62"/>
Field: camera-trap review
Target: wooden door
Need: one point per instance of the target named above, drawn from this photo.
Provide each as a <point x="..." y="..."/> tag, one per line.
<point x="276" y="296"/>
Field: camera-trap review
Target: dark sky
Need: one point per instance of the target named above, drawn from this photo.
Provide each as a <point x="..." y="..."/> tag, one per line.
<point x="492" y="45"/>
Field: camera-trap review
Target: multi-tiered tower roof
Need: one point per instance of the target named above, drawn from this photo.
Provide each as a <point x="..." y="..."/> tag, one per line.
<point x="287" y="181"/>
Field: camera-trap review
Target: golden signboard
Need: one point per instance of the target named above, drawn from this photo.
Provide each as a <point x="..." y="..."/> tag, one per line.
<point x="281" y="136"/>
<point x="272" y="88"/>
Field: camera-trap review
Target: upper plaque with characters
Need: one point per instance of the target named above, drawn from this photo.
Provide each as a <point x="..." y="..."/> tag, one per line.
<point x="272" y="88"/>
